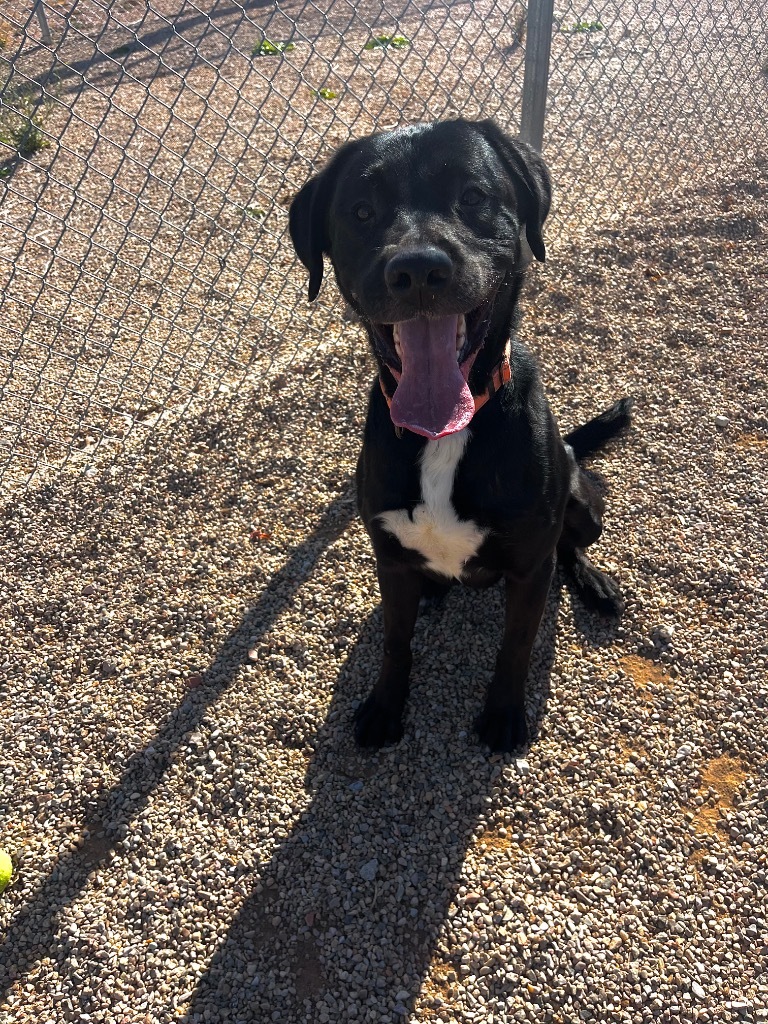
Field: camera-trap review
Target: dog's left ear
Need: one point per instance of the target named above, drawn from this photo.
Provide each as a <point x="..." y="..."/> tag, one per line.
<point x="531" y="179"/>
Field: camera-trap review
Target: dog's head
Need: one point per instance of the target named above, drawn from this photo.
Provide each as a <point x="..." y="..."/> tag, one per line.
<point x="423" y="228"/>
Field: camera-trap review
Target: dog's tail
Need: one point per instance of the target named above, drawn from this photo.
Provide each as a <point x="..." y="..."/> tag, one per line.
<point x="592" y="436"/>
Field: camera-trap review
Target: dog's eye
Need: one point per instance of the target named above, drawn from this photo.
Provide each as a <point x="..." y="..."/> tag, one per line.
<point x="472" y="196"/>
<point x="363" y="211"/>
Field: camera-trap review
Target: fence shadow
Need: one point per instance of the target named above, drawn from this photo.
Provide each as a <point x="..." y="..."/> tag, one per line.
<point x="173" y="44"/>
<point x="348" y="910"/>
<point x="31" y="932"/>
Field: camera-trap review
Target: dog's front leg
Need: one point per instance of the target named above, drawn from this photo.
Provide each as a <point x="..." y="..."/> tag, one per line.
<point x="502" y="724"/>
<point x="379" y="719"/>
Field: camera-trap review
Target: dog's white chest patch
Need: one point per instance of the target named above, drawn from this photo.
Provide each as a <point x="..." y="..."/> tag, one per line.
<point x="434" y="529"/>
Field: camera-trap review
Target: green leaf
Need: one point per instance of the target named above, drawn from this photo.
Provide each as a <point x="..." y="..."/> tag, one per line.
<point x="587" y="26"/>
<point x="381" y="42"/>
<point x="266" y="48"/>
<point x="326" y="94"/>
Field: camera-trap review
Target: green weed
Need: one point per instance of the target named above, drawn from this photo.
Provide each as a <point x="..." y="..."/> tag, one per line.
<point x="22" y="116"/>
<point x="586" y="26"/>
<point x="382" y="42"/>
<point x="266" y="48"/>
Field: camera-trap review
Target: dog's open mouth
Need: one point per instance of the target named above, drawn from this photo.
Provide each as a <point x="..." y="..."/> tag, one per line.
<point x="433" y="359"/>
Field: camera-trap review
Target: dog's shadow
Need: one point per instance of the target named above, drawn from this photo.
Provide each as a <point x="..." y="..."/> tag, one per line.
<point x="344" y="920"/>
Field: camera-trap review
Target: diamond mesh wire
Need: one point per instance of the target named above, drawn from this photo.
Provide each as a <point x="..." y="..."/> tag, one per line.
<point x="650" y="96"/>
<point x="148" y="154"/>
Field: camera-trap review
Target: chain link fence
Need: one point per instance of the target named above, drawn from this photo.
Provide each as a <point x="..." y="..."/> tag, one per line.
<point x="149" y="152"/>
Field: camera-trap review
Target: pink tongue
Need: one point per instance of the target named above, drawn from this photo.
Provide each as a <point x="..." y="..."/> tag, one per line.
<point x="432" y="397"/>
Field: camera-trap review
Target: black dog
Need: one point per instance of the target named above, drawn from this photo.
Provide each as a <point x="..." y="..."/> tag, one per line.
<point x="463" y="473"/>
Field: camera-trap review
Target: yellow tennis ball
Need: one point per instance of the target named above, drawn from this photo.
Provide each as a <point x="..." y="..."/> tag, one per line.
<point x="6" y="869"/>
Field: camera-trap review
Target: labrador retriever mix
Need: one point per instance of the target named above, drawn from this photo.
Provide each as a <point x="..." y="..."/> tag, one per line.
<point x="463" y="474"/>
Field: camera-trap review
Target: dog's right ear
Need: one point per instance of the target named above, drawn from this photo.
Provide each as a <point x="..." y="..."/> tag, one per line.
<point x="307" y="223"/>
<point x="308" y="217"/>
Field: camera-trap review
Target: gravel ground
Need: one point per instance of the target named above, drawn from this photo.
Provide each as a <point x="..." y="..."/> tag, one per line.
<point x="196" y="836"/>
<point x="191" y="622"/>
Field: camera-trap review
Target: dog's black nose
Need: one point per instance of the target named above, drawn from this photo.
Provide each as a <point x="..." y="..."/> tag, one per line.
<point x="415" y="270"/>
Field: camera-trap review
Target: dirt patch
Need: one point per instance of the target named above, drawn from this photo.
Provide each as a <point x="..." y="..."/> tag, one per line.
<point x="723" y="775"/>
<point x="644" y="674"/>
<point x="751" y="442"/>
<point x="491" y="842"/>
<point x="634" y="752"/>
<point x="440" y="985"/>
<point x="309" y="970"/>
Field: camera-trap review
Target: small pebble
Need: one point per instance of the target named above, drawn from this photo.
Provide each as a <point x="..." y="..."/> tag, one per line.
<point x="664" y="634"/>
<point x="369" y="869"/>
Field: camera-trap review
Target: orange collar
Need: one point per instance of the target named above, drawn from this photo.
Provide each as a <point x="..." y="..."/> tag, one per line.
<point x="500" y="375"/>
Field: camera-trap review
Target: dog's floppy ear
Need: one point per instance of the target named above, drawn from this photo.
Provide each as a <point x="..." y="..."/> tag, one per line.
<point x="532" y="182"/>
<point x="308" y="217"/>
<point x="308" y="228"/>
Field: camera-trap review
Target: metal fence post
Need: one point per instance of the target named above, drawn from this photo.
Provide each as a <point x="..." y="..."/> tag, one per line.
<point x="537" y="51"/>
<point x="42" y="18"/>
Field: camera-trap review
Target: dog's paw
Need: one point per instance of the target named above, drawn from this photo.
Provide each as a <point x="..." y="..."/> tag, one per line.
<point x="502" y="729"/>
<point x="375" y="726"/>
<point x="604" y="595"/>
<point x="433" y="596"/>
<point x="597" y="590"/>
